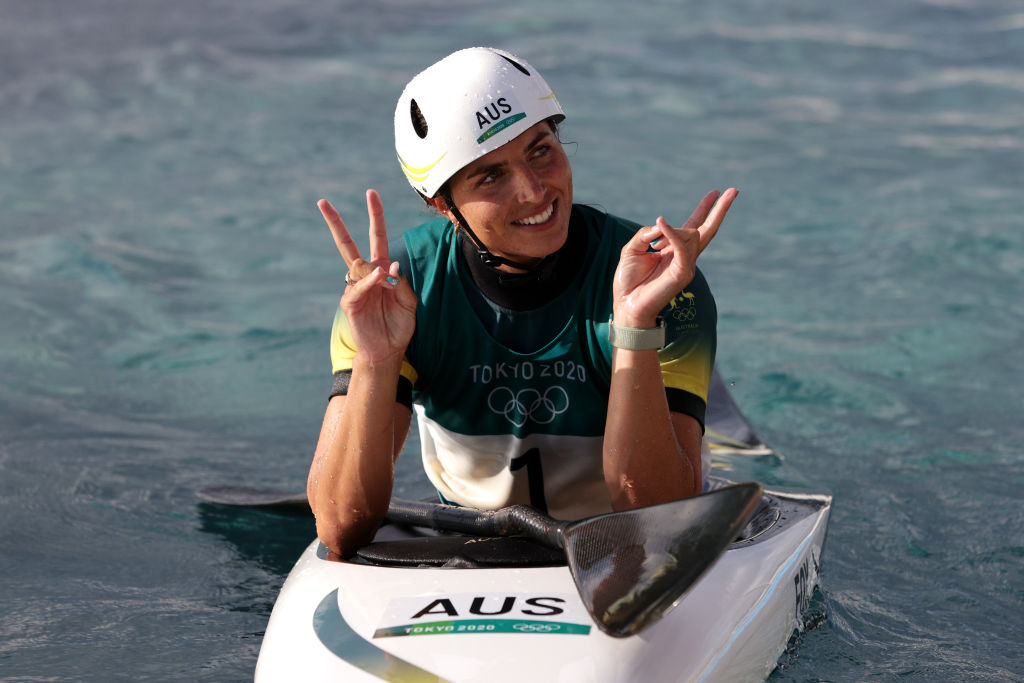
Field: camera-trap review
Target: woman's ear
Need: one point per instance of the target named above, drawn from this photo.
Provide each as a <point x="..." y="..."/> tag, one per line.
<point x="441" y="206"/>
<point x="438" y="203"/>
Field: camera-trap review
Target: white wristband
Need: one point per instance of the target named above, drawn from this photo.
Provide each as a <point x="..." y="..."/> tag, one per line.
<point x="637" y="338"/>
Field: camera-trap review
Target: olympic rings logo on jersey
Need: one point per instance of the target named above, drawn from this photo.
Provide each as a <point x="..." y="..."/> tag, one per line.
<point x="685" y="314"/>
<point x="528" y="404"/>
<point x="527" y="627"/>
<point x="683" y="307"/>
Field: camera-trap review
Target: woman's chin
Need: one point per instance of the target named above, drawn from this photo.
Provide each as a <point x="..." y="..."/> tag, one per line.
<point x="544" y="238"/>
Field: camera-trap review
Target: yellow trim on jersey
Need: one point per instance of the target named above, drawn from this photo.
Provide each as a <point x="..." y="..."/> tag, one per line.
<point x="343" y="349"/>
<point x="690" y="372"/>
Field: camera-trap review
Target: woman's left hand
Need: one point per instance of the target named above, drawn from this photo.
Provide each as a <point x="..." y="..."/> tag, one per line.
<point x="645" y="280"/>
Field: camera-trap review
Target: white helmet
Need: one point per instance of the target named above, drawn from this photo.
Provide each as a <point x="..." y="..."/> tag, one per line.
<point x="468" y="104"/>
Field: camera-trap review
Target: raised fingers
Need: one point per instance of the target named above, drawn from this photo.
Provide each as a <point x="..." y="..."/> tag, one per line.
<point x="702" y="210"/>
<point x="378" y="231"/>
<point x="709" y="229"/>
<point x="347" y="247"/>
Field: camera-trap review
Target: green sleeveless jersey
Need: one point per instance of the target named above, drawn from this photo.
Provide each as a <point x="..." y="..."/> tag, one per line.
<point x="499" y="426"/>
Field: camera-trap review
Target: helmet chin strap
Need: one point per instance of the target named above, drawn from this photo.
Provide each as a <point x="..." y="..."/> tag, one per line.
<point x="489" y="259"/>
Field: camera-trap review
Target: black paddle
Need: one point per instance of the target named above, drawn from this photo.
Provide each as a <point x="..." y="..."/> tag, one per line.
<point x="251" y="497"/>
<point x="629" y="567"/>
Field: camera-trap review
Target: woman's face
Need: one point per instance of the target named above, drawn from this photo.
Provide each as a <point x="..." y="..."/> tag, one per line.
<point x="517" y="198"/>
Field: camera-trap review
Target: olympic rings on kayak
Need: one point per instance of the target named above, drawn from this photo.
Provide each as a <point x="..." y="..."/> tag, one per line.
<point x="526" y="627"/>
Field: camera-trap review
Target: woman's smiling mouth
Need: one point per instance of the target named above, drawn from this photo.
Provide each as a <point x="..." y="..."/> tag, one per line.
<point x="539" y="218"/>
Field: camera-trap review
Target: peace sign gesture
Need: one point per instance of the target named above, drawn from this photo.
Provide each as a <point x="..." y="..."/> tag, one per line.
<point x="646" y="280"/>
<point x="378" y="302"/>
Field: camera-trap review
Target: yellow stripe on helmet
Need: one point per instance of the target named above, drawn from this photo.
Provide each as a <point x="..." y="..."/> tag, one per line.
<point x="419" y="174"/>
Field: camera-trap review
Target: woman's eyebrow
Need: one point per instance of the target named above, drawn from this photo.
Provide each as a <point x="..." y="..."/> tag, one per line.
<point x="484" y="170"/>
<point x="489" y="168"/>
<point x="537" y="140"/>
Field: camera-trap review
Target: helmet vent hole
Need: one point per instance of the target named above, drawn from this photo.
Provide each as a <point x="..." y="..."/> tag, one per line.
<point x="516" y="64"/>
<point x="419" y="123"/>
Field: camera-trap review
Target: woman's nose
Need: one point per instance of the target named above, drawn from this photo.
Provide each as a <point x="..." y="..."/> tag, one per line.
<point x="529" y="186"/>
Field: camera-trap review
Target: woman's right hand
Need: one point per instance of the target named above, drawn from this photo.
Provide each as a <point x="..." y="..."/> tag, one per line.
<point x="378" y="302"/>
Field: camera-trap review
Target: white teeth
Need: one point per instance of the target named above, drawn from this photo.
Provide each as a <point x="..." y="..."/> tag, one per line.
<point x="539" y="218"/>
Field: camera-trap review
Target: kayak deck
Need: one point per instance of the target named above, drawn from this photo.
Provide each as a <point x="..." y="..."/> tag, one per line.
<point x="403" y="546"/>
<point x="415" y="606"/>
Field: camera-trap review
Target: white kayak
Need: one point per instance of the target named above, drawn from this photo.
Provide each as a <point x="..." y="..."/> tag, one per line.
<point x="417" y="606"/>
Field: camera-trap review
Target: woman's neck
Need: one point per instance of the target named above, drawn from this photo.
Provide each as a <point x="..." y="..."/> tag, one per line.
<point x="533" y="289"/>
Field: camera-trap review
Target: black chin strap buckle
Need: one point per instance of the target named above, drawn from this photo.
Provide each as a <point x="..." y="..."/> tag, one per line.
<point x="492" y="261"/>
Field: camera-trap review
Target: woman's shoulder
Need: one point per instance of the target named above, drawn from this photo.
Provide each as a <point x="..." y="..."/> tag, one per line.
<point x="598" y="217"/>
<point x="608" y="227"/>
<point x="421" y="242"/>
<point x="428" y="234"/>
<point x="422" y="251"/>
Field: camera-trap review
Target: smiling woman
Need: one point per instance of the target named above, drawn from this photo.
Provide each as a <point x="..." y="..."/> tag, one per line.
<point x="517" y="198"/>
<point x="553" y="354"/>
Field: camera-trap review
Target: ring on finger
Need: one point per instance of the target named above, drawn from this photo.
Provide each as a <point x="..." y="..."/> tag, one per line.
<point x="348" y="279"/>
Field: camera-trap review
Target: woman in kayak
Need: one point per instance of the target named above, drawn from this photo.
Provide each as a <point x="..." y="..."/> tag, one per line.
<point x="554" y="354"/>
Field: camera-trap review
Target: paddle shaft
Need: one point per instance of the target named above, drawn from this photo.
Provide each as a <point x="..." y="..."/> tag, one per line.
<point x="517" y="520"/>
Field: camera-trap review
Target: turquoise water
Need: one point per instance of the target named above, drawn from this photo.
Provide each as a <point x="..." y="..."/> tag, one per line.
<point x="167" y="287"/>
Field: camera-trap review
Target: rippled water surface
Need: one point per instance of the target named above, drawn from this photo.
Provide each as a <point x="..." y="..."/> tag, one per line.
<point x="167" y="287"/>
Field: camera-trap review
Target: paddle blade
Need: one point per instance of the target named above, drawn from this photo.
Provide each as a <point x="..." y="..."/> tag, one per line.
<point x="630" y="567"/>
<point x="250" y="497"/>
